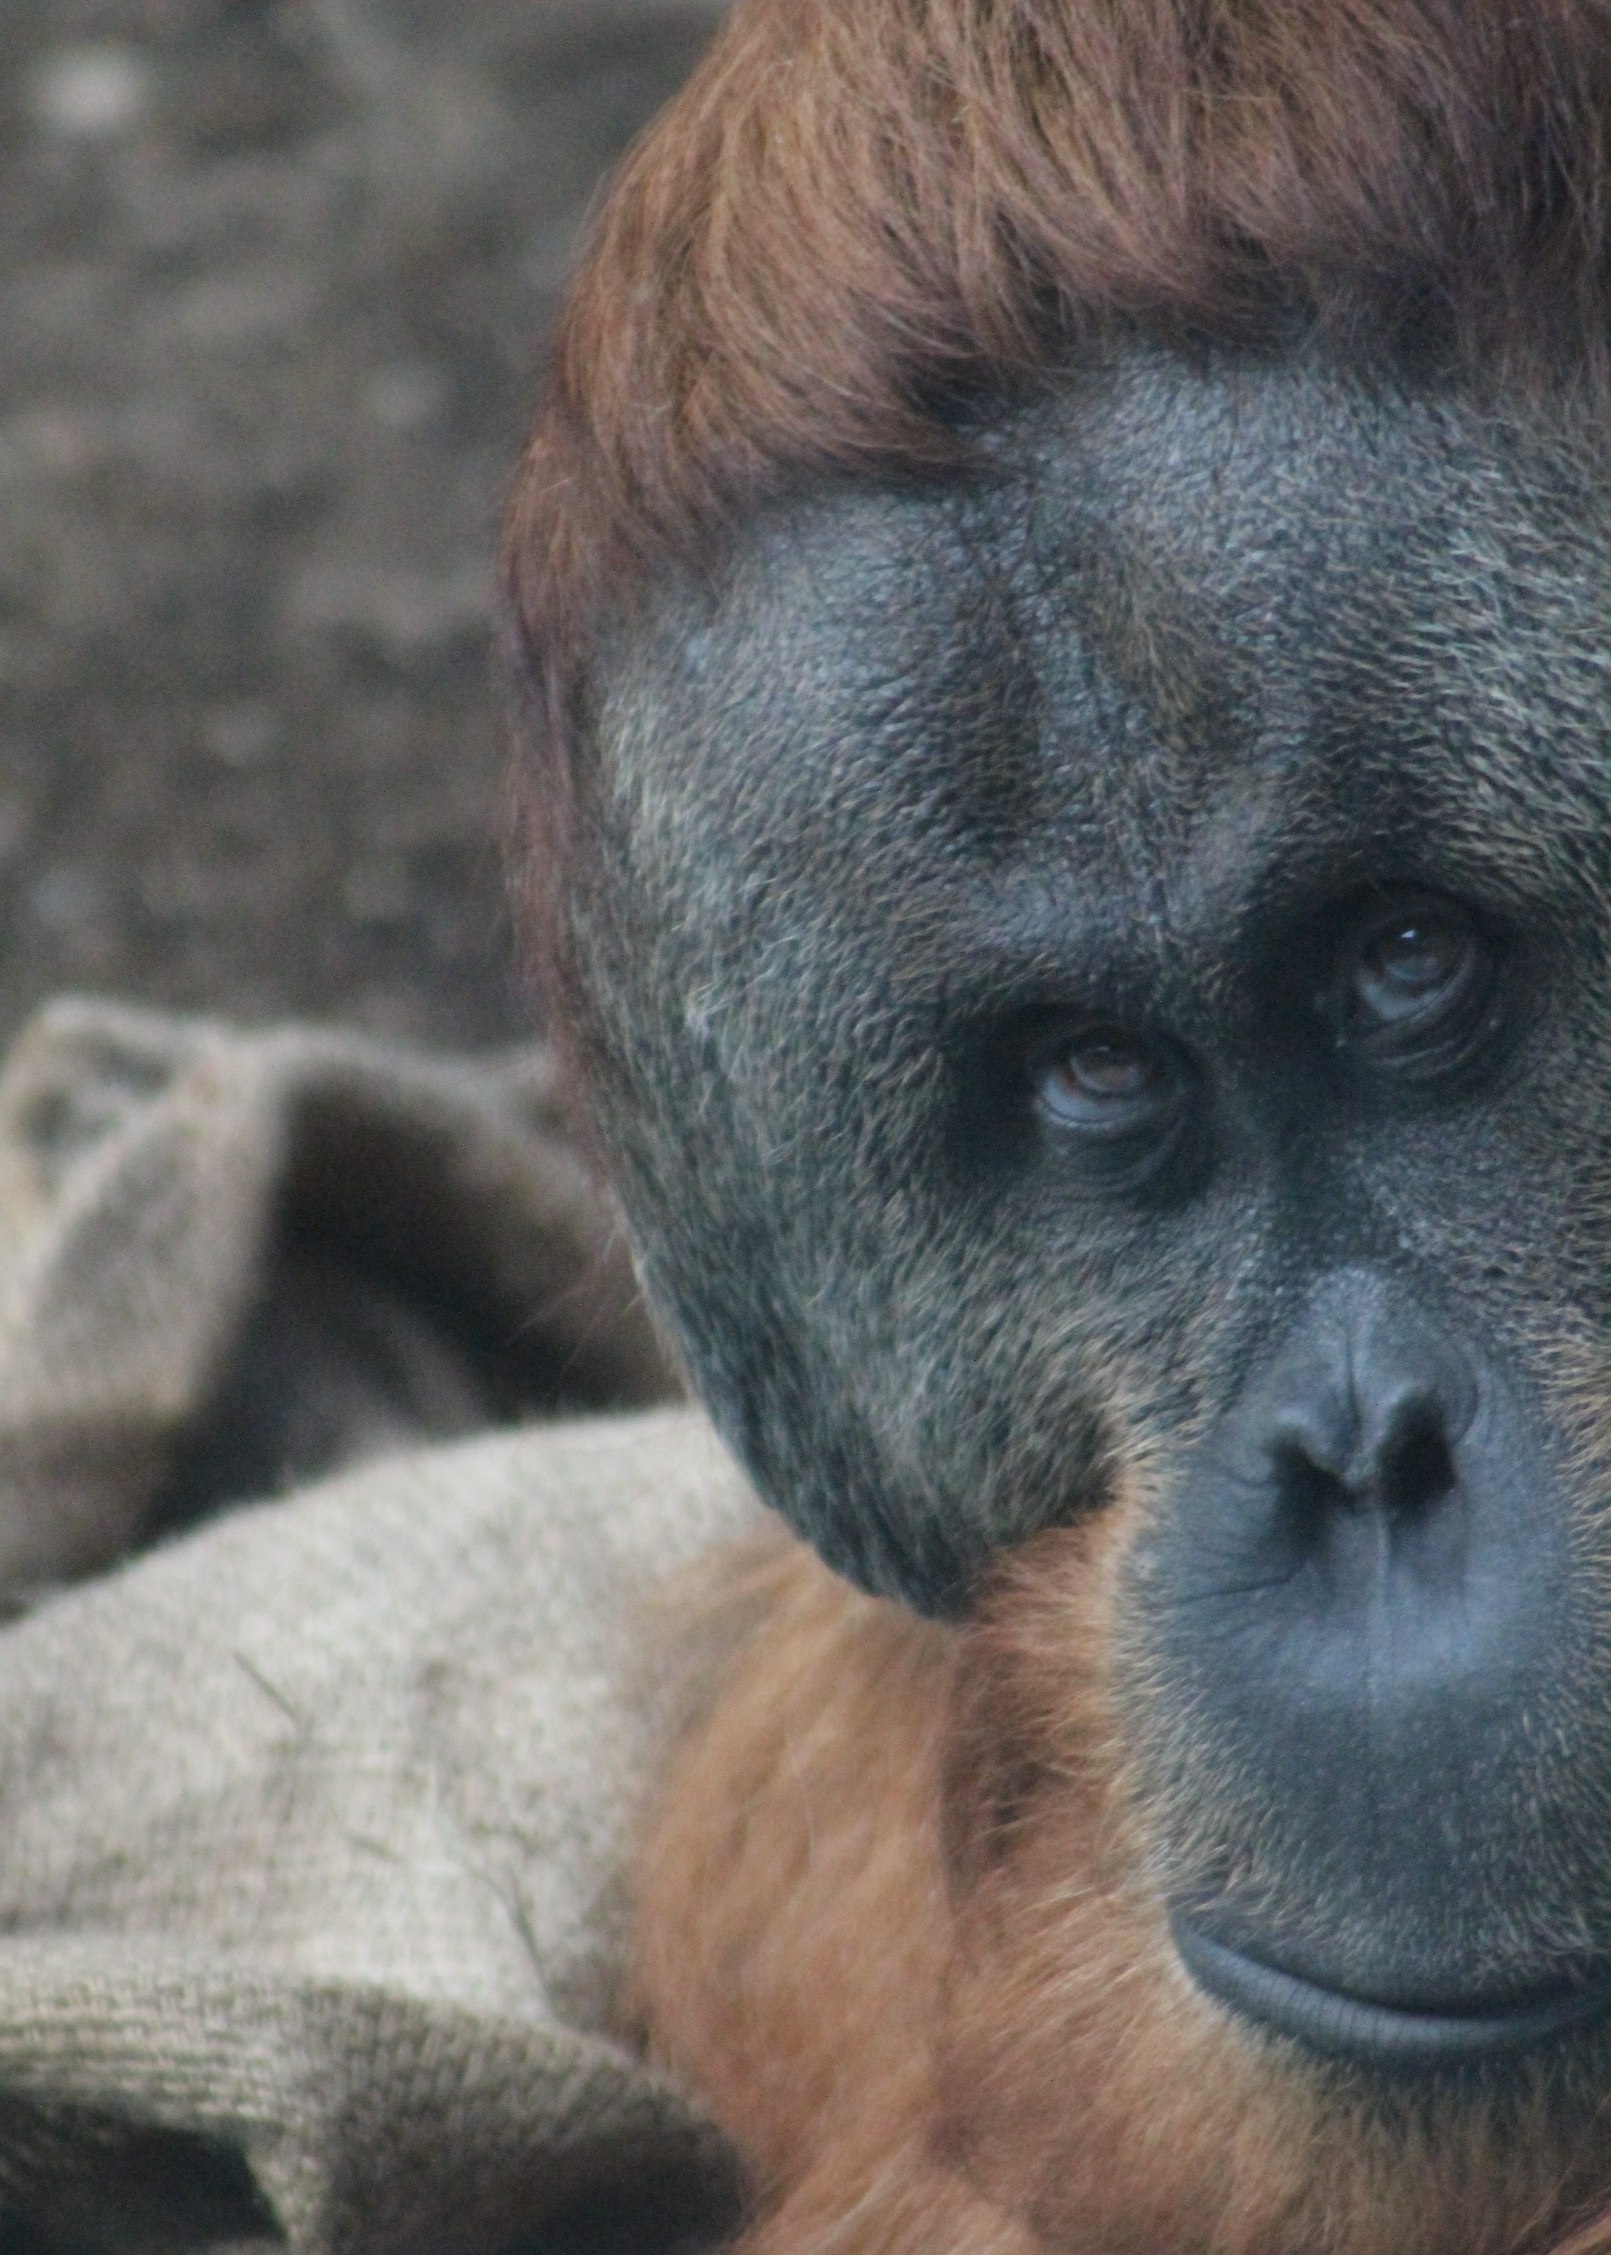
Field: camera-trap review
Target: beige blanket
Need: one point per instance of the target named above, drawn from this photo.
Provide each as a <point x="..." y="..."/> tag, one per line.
<point x="313" y="1814"/>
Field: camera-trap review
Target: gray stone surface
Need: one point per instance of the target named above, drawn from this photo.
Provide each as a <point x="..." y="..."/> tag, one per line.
<point x="276" y="281"/>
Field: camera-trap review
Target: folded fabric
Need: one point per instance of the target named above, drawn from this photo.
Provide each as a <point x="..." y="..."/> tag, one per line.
<point x="314" y="1818"/>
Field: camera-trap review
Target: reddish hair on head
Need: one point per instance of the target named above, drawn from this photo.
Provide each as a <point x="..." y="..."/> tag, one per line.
<point x="860" y="214"/>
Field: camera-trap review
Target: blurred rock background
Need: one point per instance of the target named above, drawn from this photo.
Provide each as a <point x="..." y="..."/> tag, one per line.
<point x="276" y="276"/>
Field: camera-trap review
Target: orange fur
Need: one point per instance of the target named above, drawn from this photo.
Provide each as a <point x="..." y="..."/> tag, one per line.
<point x="792" y="1924"/>
<point x="895" y="1928"/>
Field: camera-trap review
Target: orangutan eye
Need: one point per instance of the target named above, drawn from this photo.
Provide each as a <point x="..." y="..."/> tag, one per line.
<point x="1107" y="1079"/>
<point x="1412" y="987"/>
<point x="1413" y="965"/>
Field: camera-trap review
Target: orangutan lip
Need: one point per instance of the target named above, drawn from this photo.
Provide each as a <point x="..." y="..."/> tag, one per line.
<point x="1343" y="2027"/>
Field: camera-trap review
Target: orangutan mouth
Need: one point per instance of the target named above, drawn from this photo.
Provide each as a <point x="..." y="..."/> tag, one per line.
<point x="1368" y="2032"/>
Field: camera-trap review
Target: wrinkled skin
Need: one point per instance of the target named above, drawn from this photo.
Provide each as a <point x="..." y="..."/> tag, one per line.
<point x="1093" y="975"/>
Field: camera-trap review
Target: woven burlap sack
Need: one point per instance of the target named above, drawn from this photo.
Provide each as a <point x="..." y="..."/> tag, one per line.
<point x="315" y="1808"/>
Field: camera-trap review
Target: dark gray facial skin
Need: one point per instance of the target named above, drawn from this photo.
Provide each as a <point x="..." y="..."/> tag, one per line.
<point x="1095" y="978"/>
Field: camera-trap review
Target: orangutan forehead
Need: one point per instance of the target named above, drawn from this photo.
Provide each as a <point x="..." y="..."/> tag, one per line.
<point x="1359" y="590"/>
<point x="1178" y="605"/>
